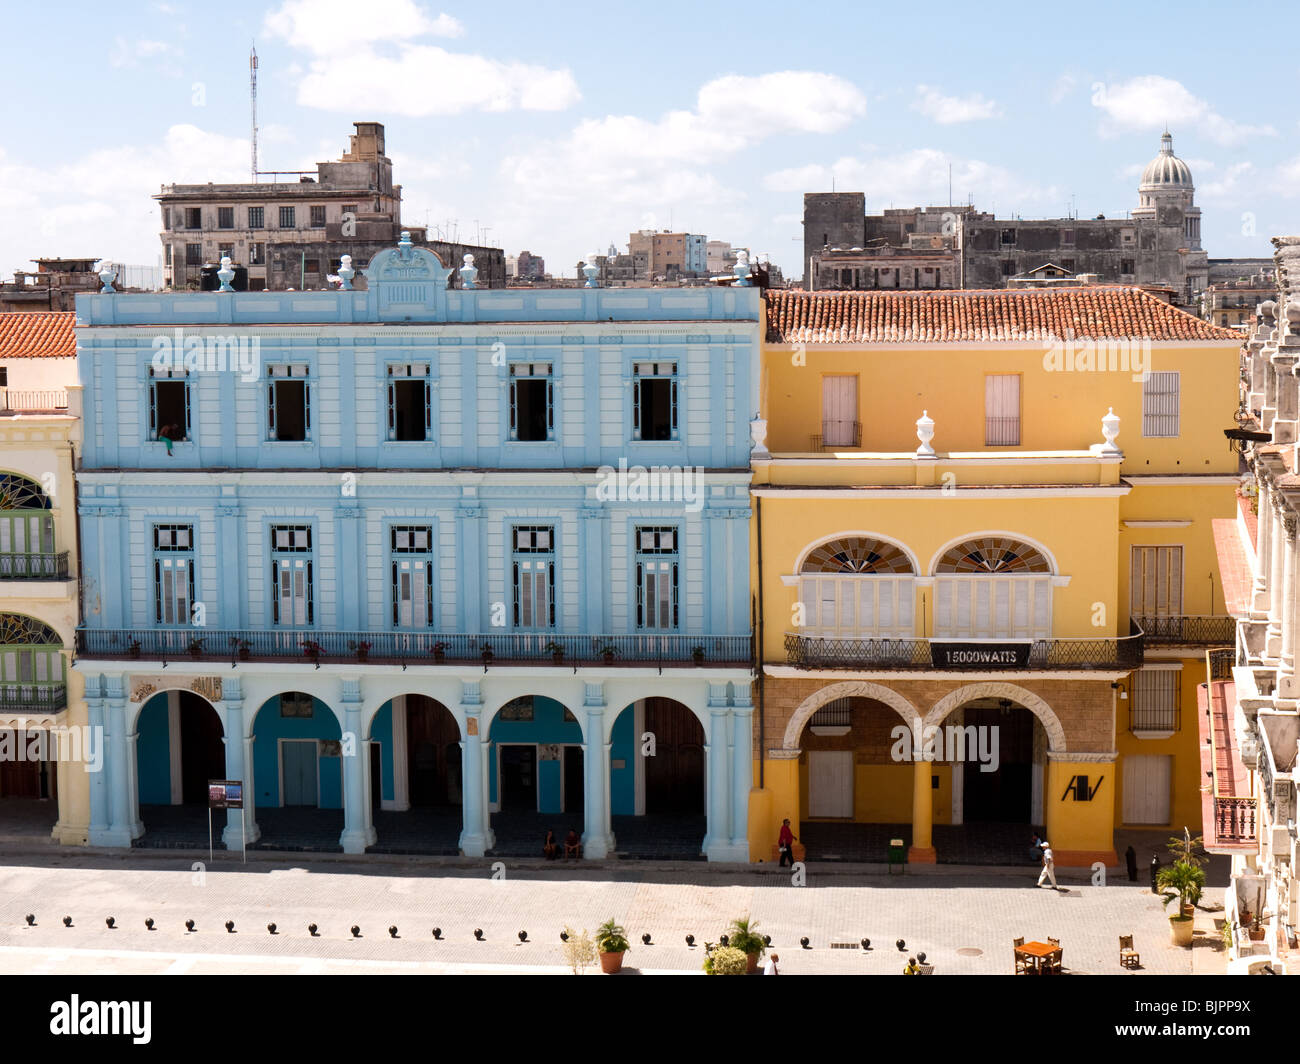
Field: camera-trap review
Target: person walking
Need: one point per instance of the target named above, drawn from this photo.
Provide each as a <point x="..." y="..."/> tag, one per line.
<point x="769" y="965"/>
<point x="1049" y="866"/>
<point x="785" y="844"/>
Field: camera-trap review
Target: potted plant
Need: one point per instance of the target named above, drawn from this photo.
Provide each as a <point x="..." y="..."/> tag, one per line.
<point x="312" y="649"/>
<point x="556" y="650"/>
<point x="134" y="648"/>
<point x="697" y="654"/>
<point x="243" y="648"/>
<point x="608" y="651"/>
<point x="196" y="648"/>
<point x="724" y="960"/>
<point x="1256" y="932"/>
<point x="743" y="935"/>
<point x="362" y="649"/>
<point x="1184" y="882"/>
<point x="611" y="944"/>
<point x="439" y="652"/>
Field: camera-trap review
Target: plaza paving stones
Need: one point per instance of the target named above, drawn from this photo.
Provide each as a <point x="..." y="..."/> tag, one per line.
<point x="946" y="913"/>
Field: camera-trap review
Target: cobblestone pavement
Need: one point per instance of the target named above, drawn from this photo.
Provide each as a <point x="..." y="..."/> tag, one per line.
<point x="964" y="920"/>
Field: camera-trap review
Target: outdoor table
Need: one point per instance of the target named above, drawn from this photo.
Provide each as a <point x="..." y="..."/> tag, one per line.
<point x="1037" y="954"/>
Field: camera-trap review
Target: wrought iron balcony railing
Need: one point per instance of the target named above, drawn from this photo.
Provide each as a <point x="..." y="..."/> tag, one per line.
<point x="1219" y="662"/>
<point x="1234" y="819"/>
<point x="33" y="697"/>
<point x="1188" y="630"/>
<point x="34" y="566"/>
<point x="1065" y="654"/>
<point x="415" y="648"/>
<point x="845" y="434"/>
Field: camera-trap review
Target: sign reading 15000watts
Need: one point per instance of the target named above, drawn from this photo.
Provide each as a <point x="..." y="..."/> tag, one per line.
<point x="980" y="655"/>
<point x="225" y="794"/>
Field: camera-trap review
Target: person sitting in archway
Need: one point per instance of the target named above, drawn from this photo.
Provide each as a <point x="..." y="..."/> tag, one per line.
<point x="550" y="848"/>
<point x="572" y="844"/>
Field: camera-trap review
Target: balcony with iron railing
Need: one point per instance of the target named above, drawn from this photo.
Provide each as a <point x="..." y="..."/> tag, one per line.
<point x="1067" y="655"/>
<point x="415" y="647"/>
<point x="40" y="566"/>
<point x="32" y="697"/>
<point x="846" y="435"/>
<point x="1187" y="630"/>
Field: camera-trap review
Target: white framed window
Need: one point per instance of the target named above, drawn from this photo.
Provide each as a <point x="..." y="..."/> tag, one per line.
<point x="532" y="401"/>
<point x="1155" y="700"/>
<point x="533" y="576"/>
<point x="1002" y="410"/>
<point x="654" y="401"/>
<point x="288" y="403"/>
<point x="292" y="604"/>
<point x="1160" y="404"/>
<point x="656" y="579"/>
<point x="409" y="408"/>
<point x="857" y="588"/>
<point x="840" y="425"/>
<point x="412" y="566"/>
<point x="993" y="587"/>
<point x="173" y="573"/>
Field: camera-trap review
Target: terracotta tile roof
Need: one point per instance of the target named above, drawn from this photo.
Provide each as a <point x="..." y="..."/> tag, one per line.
<point x="37" y="334"/>
<point x="939" y="316"/>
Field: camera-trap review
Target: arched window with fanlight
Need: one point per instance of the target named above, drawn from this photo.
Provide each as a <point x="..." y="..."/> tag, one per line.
<point x="31" y="665"/>
<point x="992" y="587"/>
<point x="26" y="529"/>
<point x="857" y="587"/>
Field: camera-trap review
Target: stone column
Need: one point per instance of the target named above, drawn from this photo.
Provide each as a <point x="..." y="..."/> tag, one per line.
<point x="717" y="836"/>
<point x="742" y="776"/>
<point x="1264" y="525"/>
<point x="241" y="824"/>
<point x="358" y="831"/>
<point x="118" y="765"/>
<point x="401" y="756"/>
<point x="473" y="837"/>
<point x="97" y="830"/>
<point x="1286" y="662"/>
<point x="922" y="849"/>
<point x="1277" y="563"/>
<point x="595" y="789"/>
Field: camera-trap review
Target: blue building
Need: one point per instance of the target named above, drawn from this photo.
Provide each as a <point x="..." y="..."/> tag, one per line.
<point x="426" y="569"/>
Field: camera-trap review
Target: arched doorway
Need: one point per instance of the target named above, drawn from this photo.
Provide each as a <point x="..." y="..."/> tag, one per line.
<point x="536" y="774"/>
<point x="658" y="781"/>
<point x="32" y="681"/>
<point x="298" y="773"/>
<point x="179" y="748"/>
<point x="415" y="777"/>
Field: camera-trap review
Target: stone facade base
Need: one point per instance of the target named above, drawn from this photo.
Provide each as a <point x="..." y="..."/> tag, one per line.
<point x="922" y="855"/>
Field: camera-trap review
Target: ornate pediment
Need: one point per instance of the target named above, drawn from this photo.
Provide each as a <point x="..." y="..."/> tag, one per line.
<point x="409" y="283"/>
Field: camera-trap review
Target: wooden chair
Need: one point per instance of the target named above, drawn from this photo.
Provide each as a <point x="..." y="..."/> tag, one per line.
<point x="926" y="969"/>
<point x="1053" y="941"/>
<point x="1021" y="964"/>
<point x="1053" y="964"/>
<point x="1128" y="956"/>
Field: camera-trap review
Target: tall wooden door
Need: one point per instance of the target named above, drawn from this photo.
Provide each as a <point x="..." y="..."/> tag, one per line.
<point x="300" y="759"/>
<point x="1146" y="788"/>
<point x="674" y="777"/>
<point x="433" y="753"/>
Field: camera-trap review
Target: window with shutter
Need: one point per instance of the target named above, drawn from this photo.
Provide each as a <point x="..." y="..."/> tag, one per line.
<point x="1160" y="404"/>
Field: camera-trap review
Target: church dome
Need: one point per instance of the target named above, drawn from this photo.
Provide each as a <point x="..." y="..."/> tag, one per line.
<point x="1166" y="170"/>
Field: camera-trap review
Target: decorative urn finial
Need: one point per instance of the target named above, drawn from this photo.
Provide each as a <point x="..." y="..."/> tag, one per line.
<point x="106" y="278"/>
<point x="468" y="272"/>
<point x="591" y="271"/>
<point x="346" y="272"/>
<point x="1110" y="429"/>
<point x="741" y="270"/>
<point x="225" y="275"/>
<point x="925" y="433"/>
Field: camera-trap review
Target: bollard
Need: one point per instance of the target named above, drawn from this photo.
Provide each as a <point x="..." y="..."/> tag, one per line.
<point x="1155" y="869"/>
<point x="1131" y="860"/>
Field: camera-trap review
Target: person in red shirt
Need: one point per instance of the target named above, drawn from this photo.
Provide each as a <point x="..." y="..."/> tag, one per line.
<point x="785" y="843"/>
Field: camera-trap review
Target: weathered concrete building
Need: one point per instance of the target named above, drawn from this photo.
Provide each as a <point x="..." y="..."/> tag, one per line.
<point x="293" y="234"/>
<point x="1159" y="243"/>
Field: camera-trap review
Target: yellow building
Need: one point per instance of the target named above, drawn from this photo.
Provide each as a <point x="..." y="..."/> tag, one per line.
<point x="47" y="753"/>
<point x="984" y="567"/>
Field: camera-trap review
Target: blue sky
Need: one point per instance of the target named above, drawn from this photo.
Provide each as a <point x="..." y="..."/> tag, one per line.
<point x="560" y="127"/>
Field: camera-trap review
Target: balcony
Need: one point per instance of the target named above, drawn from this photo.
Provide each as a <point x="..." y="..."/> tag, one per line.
<point x="1234" y="820"/>
<point x="33" y="697"/>
<point x="838" y="435"/>
<point x="1188" y="630"/>
<point x="956" y="655"/>
<point x="34" y="566"/>
<point x="54" y="401"/>
<point x="415" y="648"/>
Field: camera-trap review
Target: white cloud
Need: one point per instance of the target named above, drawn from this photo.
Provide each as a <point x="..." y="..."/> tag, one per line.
<point x="330" y="27"/>
<point x="381" y="63"/>
<point x="948" y="110"/>
<point x="919" y="178"/>
<point x="129" y="53"/>
<point x="1232" y="183"/>
<point x="106" y="192"/>
<point x="1153" y="102"/>
<point x="1063" y="86"/>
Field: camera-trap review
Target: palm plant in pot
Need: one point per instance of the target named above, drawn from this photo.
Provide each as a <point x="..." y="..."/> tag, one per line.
<point x="611" y="944"/>
<point x="743" y="935"/>
<point x="1184" y="882"/>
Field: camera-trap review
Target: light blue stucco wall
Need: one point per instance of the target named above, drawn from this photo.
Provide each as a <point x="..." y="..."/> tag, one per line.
<point x="622" y="781"/>
<point x="547" y="726"/>
<point x="381" y="731"/>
